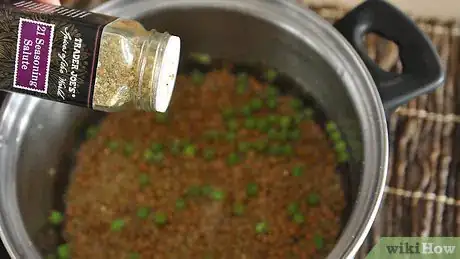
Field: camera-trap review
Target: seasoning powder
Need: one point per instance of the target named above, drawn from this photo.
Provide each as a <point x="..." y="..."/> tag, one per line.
<point x="86" y="59"/>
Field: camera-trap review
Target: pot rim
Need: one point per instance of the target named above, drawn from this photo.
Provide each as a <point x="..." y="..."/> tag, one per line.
<point x="288" y="14"/>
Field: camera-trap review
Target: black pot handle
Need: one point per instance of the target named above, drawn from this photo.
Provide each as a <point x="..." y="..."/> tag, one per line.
<point x="422" y="71"/>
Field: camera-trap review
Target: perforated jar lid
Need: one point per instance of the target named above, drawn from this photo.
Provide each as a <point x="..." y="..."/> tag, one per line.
<point x="167" y="74"/>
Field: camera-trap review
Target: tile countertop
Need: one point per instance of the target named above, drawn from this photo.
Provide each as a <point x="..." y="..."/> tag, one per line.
<point x="443" y="9"/>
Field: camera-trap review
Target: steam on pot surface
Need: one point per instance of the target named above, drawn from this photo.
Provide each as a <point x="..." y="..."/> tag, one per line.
<point x="243" y="165"/>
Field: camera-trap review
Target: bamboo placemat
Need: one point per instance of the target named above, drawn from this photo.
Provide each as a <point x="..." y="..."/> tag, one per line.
<point x="422" y="193"/>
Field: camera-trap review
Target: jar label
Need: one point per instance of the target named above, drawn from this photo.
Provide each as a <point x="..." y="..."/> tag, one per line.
<point x="33" y="54"/>
<point x="50" y="51"/>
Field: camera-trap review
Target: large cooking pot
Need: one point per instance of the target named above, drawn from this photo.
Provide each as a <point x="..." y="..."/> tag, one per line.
<point x="38" y="138"/>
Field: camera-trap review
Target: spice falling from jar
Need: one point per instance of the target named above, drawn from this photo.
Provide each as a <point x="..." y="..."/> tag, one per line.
<point x="136" y="68"/>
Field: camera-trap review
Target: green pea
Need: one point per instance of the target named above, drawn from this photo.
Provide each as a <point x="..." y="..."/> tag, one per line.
<point x="272" y="91"/>
<point x="230" y="136"/>
<point x="244" y="147"/>
<point x="189" y="150"/>
<point x="272" y="103"/>
<point x="197" y="77"/>
<point x="206" y="190"/>
<point x="217" y="195"/>
<point x="298" y="118"/>
<point x="263" y="125"/>
<point x="275" y="150"/>
<point x="318" y="240"/>
<point x="250" y="123"/>
<point x="298" y="218"/>
<point x="161" y="117"/>
<point x="296" y="104"/>
<point x="133" y="255"/>
<point x="143" y="212"/>
<point x="252" y="189"/>
<point x="56" y="217"/>
<point x="256" y="104"/>
<point x="260" y="145"/>
<point x="157" y="147"/>
<point x="273" y="134"/>
<point x="335" y="136"/>
<point x="157" y="157"/>
<point x="113" y="145"/>
<point x="313" y="199"/>
<point x="149" y="155"/>
<point x="212" y="134"/>
<point x="180" y="204"/>
<point x="160" y="218"/>
<point x="262" y="227"/>
<point x="272" y="118"/>
<point x="283" y="135"/>
<point x="153" y="157"/>
<point x="331" y="127"/>
<point x="117" y="225"/>
<point x="297" y="171"/>
<point x="246" y="110"/>
<point x="238" y="209"/>
<point x="201" y="58"/>
<point x="309" y="113"/>
<point x="340" y="146"/>
<point x="209" y="154"/>
<point x="293" y="208"/>
<point x="228" y="113"/>
<point x="242" y="78"/>
<point x="285" y="122"/>
<point x="270" y="75"/>
<point x="232" y="125"/>
<point x="193" y="191"/>
<point x="144" y="180"/>
<point x="241" y="89"/>
<point x="342" y="157"/>
<point x="287" y="150"/>
<point x="92" y="132"/>
<point x="294" y="135"/>
<point x="63" y="251"/>
<point x="233" y="159"/>
<point x="128" y="149"/>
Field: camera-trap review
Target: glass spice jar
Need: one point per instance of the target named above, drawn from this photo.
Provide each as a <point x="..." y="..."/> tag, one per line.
<point x="136" y="68"/>
<point x="87" y="59"/>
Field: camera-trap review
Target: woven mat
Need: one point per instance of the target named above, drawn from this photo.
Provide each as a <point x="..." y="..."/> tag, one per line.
<point x="423" y="193"/>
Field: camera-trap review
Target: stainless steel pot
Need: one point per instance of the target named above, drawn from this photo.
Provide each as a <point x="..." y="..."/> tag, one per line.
<point x="38" y="137"/>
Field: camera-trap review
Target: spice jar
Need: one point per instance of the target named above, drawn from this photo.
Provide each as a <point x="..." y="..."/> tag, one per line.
<point x="136" y="68"/>
<point x="81" y="58"/>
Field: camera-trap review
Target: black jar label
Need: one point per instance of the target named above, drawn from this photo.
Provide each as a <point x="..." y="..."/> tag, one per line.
<point x="50" y="51"/>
